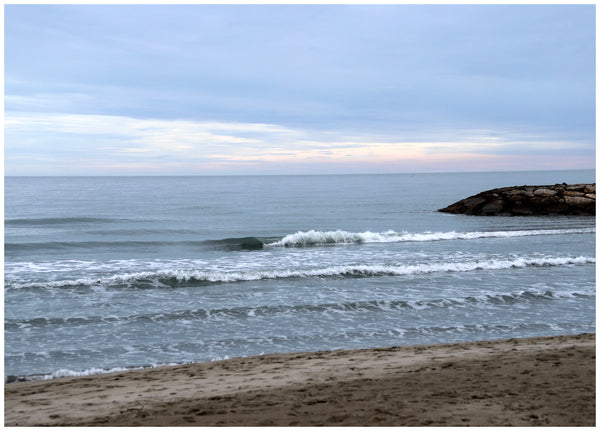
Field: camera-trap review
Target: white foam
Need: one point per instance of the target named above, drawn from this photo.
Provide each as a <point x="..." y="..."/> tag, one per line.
<point x="89" y="372"/>
<point x="313" y="237"/>
<point x="63" y="372"/>
<point x="175" y="277"/>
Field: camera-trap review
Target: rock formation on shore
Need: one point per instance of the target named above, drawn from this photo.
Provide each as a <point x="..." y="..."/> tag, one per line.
<point x="559" y="199"/>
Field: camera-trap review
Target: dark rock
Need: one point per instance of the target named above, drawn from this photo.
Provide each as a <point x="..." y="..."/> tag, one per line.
<point x="579" y="201"/>
<point x="545" y="192"/>
<point x="559" y="199"/>
<point x="492" y="208"/>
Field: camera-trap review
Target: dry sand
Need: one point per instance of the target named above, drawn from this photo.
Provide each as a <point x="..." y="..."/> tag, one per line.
<point x="530" y="381"/>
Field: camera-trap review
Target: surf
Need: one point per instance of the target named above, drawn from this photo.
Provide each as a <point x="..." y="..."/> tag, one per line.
<point x="340" y="237"/>
<point x="168" y="278"/>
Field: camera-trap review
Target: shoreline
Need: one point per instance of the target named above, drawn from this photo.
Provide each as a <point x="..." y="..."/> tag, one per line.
<point x="541" y="381"/>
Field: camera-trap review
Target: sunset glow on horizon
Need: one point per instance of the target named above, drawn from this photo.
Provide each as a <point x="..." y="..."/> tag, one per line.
<point x="276" y="89"/>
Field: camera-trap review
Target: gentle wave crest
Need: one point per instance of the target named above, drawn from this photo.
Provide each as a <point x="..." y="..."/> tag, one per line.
<point x="313" y="237"/>
<point x="183" y="278"/>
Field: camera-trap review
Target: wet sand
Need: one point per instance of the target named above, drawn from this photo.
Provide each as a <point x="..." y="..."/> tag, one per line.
<point x="520" y="382"/>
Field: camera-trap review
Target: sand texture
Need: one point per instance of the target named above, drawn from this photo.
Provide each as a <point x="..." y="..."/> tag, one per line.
<point x="520" y="382"/>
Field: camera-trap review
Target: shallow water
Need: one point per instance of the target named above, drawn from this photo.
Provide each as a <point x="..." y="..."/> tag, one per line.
<point x="117" y="272"/>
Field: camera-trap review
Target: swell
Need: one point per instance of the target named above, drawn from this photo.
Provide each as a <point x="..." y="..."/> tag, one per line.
<point x="227" y="244"/>
<point x="241" y="312"/>
<point x="183" y="278"/>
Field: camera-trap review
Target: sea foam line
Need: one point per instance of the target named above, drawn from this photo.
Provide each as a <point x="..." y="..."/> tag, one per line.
<point x="313" y="237"/>
<point x="401" y="332"/>
<point x="180" y="278"/>
<point x="63" y="372"/>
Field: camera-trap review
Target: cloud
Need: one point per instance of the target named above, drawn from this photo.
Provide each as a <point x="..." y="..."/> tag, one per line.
<point x="351" y="66"/>
<point x="229" y="88"/>
<point x="111" y="144"/>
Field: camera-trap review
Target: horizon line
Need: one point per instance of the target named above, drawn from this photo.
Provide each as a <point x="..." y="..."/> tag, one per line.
<point x="296" y="174"/>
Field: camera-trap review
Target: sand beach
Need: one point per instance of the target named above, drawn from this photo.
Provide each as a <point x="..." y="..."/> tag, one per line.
<point x="544" y="381"/>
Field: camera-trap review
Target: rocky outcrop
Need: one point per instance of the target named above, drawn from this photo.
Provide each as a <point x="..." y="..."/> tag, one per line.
<point x="559" y="199"/>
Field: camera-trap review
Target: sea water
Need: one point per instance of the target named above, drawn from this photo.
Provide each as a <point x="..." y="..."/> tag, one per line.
<point x="105" y="273"/>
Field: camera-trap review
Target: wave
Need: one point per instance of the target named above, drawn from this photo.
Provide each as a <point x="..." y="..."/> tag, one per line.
<point x="313" y="238"/>
<point x="227" y="244"/>
<point x="245" y="243"/>
<point x="184" y="278"/>
<point x="299" y="239"/>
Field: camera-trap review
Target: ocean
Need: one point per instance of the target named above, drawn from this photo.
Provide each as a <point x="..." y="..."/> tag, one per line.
<point x="114" y="273"/>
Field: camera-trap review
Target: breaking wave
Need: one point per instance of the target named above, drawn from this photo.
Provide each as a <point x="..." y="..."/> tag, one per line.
<point x="314" y="238"/>
<point x="181" y="278"/>
<point x="309" y="238"/>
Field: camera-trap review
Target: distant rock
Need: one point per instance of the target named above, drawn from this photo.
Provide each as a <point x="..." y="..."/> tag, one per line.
<point x="559" y="199"/>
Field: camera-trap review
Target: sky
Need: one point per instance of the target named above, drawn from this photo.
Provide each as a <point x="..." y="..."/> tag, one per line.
<point x="297" y="89"/>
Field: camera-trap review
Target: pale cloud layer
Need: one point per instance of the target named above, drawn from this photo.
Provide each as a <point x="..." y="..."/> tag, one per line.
<point x="297" y="89"/>
<point x="101" y="143"/>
